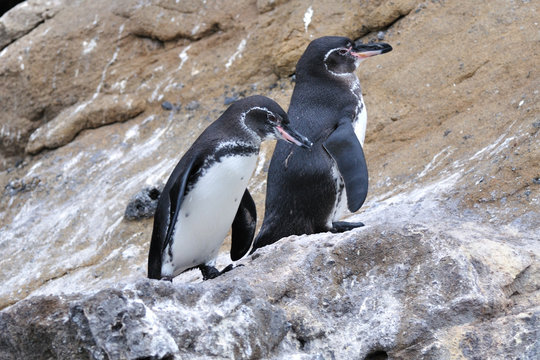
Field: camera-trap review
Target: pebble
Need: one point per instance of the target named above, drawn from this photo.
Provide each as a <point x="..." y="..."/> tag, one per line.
<point x="143" y="204"/>
<point x="193" y="105"/>
<point x="166" y="106"/>
<point x="230" y="99"/>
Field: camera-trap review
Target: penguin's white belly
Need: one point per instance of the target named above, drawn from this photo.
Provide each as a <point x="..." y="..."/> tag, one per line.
<point x="207" y="212"/>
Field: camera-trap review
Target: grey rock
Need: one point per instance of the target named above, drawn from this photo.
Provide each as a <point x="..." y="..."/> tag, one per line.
<point x="384" y="291"/>
<point x="166" y="105"/>
<point x="152" y="319"/>
<point x="193" y="105"/>
<point x="230" y="99"/>
<point x="143" y="204"/>
<point x="16" y="186"/>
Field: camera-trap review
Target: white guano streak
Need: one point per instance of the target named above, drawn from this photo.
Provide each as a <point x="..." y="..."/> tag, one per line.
<point x="307" y="17"/>
<point x="183" y="57"/>
<point x="237" y="53"/>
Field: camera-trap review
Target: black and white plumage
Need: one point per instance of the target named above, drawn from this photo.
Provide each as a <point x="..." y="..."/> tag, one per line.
<point x="309" y="191"/>
<point x="207" y="192"/>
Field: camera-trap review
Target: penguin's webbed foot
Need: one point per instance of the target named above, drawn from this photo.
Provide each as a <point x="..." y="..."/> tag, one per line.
<point x="167" y="278"/>
<point x="210" y="272"/>
<point x="342" y="226"/>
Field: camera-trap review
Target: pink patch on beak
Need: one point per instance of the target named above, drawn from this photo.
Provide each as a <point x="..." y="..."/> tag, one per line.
<point x="364" y="55"/>
<point x="287" y="137"/>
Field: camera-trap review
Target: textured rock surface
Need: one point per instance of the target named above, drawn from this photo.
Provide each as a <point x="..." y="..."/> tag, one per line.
<point x="27" y="16"/>
<point x="143" y="204"/>
<point x="446" y="268"/>
<point x="102" y="110"/>
<point x="402" y="289"/>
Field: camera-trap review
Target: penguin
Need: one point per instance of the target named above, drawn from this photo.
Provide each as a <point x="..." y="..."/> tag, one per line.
<point x="207" y="194"/>
<point x="309" y="191"/>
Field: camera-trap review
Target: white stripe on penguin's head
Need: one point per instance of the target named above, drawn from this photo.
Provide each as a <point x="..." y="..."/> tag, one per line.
<point x="243" y="120"/>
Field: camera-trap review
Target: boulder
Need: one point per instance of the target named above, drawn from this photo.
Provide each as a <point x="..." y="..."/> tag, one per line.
<point x="96" y="112"/>
<point x="403" y="292"/>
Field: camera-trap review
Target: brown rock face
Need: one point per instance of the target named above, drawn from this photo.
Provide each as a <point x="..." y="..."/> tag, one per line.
<point x="452" y="148"/>
<point x="99" y="111"/>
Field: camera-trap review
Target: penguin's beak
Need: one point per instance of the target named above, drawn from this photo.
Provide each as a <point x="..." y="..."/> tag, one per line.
<point x="292" y="136"/>
<point x="363" y="51"/>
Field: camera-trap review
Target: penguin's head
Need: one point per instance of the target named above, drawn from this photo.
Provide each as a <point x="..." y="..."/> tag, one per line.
<point x="337" y="55"/>
<point x="265" y="118"/>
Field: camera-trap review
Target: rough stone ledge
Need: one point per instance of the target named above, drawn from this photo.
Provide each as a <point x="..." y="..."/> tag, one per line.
<point x="401" y="291"/>
<point x="99" y="111"/>
<point x="25" y="17"/>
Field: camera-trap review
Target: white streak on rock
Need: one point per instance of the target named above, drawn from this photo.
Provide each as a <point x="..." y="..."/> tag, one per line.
<point x="89" y="46"/>
<point x="113" y="59"/>
<point x="433" y="163"/>
<point x="183" y="57"/>
<point x="307" y="17"/>
<point x="237" y="53"/>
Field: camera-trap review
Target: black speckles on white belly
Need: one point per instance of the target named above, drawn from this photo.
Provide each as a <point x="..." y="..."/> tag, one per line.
<point x="340" y="204"/>
<point x="360" y="119"/>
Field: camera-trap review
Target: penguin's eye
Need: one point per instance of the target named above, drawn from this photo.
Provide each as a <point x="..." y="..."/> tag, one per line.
<point x="343" y="51"/>
<point x="272" y="118"/>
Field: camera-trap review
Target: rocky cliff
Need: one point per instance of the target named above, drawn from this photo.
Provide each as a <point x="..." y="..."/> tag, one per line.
<point x="99" y="100"/>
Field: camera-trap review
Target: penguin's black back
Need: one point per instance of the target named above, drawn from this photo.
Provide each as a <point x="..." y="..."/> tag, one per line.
<point x="301" y="191"/>
<point x="225" y="136"/>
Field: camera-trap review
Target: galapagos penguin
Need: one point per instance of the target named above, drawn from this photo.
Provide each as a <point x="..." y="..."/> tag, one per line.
<point x="207" y="192"/>
<point x="309" y="191"/>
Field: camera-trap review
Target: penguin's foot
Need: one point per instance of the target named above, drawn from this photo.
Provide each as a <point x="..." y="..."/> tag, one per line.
<point x="166" y="278"/>
<point x="227" y="268"/>
<point x="210" y="272"/>
<point x="342" y="226"/>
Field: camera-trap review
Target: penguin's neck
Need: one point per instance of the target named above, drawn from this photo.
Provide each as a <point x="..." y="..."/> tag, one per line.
<point x="237" y="147"/>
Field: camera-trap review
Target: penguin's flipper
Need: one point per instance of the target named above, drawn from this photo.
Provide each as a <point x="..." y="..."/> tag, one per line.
<point x="165" y="217"/>
<point x="176" y="196"/>
<point x="243" y="227"/>
<point x="344" y="147"/>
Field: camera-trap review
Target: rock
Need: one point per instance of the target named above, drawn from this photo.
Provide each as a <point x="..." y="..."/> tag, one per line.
<point x="388" y="12"/>
<point x="152" y="320"/>
<point x="166" y="23"/>
<point x="268" y="5"/>
<point x="166" y="105"/>
<point x="193" y="105"/>
<point x="405" y="291"/>
<point x="103" y="110"/>
<point x="143" y="204"/>
<point x="24" y="17"/>
<point x="19" y="185"/>
<point x="230" y="99"/>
